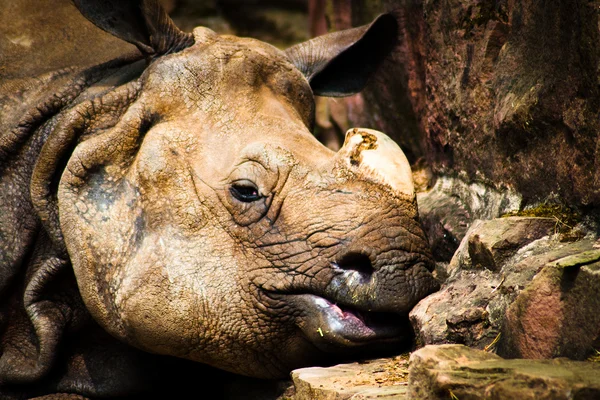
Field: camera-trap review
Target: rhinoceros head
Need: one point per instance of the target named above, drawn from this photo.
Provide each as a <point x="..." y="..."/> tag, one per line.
<point x="203" y="220"/>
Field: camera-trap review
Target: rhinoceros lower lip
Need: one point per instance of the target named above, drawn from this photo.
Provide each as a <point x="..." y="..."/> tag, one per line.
<point x="332" y="327"/>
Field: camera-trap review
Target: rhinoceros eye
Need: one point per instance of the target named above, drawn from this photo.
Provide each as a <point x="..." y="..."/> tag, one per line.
<point x="245" y="191"/>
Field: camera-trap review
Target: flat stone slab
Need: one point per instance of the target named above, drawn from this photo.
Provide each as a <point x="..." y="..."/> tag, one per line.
<point x="382" y="379"/>
<point x="449" y="371"/>
<point x="457" y="371"/>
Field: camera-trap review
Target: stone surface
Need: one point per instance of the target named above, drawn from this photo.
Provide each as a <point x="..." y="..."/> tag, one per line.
<point x="491" y="242"/>
<point x="502" y="92"/>
<point x="451" y="206"/>
<point x="558" y="314"/>
<point x="459" y="372"/>
<point x="495" y="262"/>
<point x="513" y="94"/>
<point x="374" y="379"/>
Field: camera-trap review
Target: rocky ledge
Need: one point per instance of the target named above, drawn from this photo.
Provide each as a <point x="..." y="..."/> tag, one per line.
<point x="375" y="379"/>
<point x="517" y="316"/>
<point x="449" y="371"/>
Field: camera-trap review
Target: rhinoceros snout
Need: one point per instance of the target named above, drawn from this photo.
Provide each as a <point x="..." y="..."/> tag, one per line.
<point x="367" y="300"/>
<point x="356" y="263"/>
<point x="388" y="281"/>
<point x="374" y="262"/>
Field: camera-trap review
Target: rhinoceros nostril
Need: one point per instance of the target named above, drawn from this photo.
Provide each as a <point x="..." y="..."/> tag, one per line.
<point x="356" y="262"/>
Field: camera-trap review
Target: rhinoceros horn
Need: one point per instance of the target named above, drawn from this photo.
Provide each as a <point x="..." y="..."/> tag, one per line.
<point x="143" y="23"/>
<point x="374" y="156"/>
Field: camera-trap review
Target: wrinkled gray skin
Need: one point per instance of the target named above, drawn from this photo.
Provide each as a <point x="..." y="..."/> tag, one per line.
<point x="176" y="199"/>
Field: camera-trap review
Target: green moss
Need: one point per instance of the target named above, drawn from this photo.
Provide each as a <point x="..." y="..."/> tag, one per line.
<point x="579" y="259"/>
<point x="565" y="217"/>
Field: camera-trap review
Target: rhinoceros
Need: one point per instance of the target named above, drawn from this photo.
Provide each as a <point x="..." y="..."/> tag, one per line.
<point x="162" y="197"/>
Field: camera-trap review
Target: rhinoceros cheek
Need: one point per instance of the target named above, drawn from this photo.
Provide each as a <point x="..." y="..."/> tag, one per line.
<point x="157" y="326"/>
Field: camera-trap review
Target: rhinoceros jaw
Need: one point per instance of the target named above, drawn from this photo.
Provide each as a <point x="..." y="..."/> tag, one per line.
<point x="333" y="328"/>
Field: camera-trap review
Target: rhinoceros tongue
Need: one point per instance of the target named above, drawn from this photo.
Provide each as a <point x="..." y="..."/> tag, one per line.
<point x="335" y="328"/>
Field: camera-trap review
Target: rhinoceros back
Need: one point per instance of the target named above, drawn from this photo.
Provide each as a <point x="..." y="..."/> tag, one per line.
<point x="43" y="36"/>
<point x="49" y="55"/>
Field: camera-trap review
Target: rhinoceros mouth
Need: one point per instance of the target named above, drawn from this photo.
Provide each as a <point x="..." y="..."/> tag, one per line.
<point x="334" y="328"/>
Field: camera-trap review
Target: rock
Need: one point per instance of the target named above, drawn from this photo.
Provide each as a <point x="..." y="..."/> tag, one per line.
<point x="509" y="97"/>
<point x="449" y="208"/>
<point x="495" y="262"/>
<point x="458" y="313"/>
<point x="443" y="371"/>
<point x="384" y="378"/>
<point x="558" y="314"/>
<point x="459" y="372"/>
<point x="492" y="242"/>
<point x="503" y="92"/>
<point x="445" y="220"/>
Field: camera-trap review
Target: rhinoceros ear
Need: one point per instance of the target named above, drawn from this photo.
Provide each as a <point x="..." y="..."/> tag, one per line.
<point x="143" y="23"/>
<point x="340" y="63"/>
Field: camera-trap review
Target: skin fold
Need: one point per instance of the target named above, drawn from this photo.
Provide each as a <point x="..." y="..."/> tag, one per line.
<point x="177" y="203"/>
